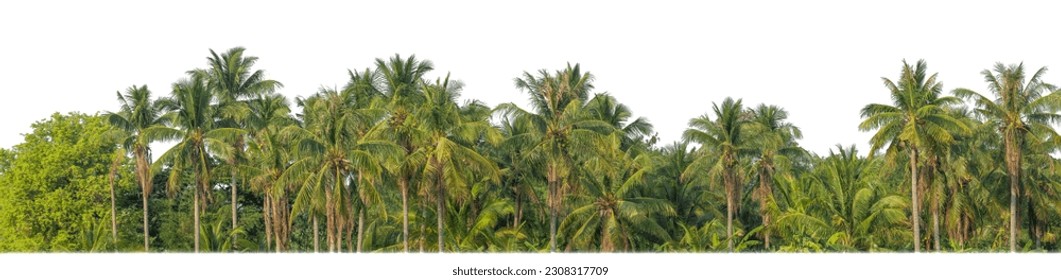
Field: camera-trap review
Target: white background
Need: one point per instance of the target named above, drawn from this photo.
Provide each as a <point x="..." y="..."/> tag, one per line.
<point x="821" y="60"/>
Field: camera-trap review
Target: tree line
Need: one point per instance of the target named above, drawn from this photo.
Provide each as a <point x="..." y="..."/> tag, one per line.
<point x="396" y="161"/>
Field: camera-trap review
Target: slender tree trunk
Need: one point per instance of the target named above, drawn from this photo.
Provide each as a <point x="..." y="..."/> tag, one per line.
<point x="729" y="209"/>
<point x="423" y="225"/>
<point x="144" y="175"/>
<point x="267" y="220"/>
<point x="519" y="210"/>
<point x="935" y="210"/>
<point x="765" y="191"/>
<point x="553" y="190"/>
<point x="316" y="235"/>
<point x="403" y="186"/>
<point x="360" y="229"/>
<point x="232" y="185"/>
<point x="147" y="246"/>
<point x="1013" y="166"/>
<point x="350" y="234"/>
<point x="329" y="211"/>
<point x="195" y="213"/>
<point x="440" y="202"/>
<point x="340" y="228"/>
<point x="915" y="213"/>
<point x="114" y="218"/>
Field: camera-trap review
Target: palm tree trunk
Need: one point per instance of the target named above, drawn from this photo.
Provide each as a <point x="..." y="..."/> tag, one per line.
<point x="232" y="185"/>
<point x="143" y="174"/>
<point x="1013" y="168"/>
<point x="729" y="210"/>
<point x="115" y="164"/>
<point x="606" y="244"/>
<point x="403" y="186"/>
<point x="340" y="228"/>
<point x="935" y="215"/>
<point x="423" y="226"/>
<point x="360" y="228"/>
<point x="195" y="213"/>
<point x="329" y="219"/>
<point x="439" y="214"/>
<point x="267" y="220"/>
<point x="553" y="189"/>
<point x="519" y="210"/>
<point x="316" y="235"/>
<point x="146" y="243"/>
<point x="764" y="192"/>
<point x="915" y="213"/>
<point x="114" y="218"/>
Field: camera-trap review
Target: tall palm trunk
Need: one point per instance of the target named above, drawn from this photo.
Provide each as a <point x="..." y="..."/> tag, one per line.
<point x="915" y="211"/>
<point x="195" y="213"/>
<point x="267" y="220"/>
<point x="329" y="218"/>
<point x="423" y="226"/>
<point x="316" y="235"/>
<point x="114" y="219"/>
<point x="553" y="196"/>
<point x="115" y="164"/>
<point x="928" y="181"/>
<point x="1013" y="168"/>
<point x="403" y="186"/>
<point x="232" y="185"/>
<point x="729" y="183"/>
<point x="519" y="210"/>
<point x="360" y="228"/>
<point x="143" y="174"/>
<point x="439" y="204"/>
<point x="765" y="191"/>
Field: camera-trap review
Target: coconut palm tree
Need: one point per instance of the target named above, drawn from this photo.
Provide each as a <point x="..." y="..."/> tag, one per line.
<point x="723" y="143"/>
<point x="140" y="118"/>
<point x="402" y="94"/>
<point x="1023" y="110"/>
<point x="194" y="121"/>
<point x="606" y="108"/>
<point x="562" y="129"/>
<point x="611" y="212"/>
<point x="267" y="158"/>
<point x="329" y="148"/>
<point x="231" y="75"/>
<point x="448" y="153"/>
<point x="915" y="121"/>
<point x="774" y="144"/>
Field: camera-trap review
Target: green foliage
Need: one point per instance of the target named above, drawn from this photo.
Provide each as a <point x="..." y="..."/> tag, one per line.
<point x="54" y="187"/>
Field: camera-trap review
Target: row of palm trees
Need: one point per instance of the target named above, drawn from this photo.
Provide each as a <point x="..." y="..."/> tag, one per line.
<point x="576" y="171"/>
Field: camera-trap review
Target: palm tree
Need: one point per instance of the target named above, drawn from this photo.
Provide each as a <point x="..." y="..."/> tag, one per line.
<point x="723" y="143"/>
<point x="1023" y="112"/>
<point x="840" y="206"/>
<point x="774" y="142"/>
<point x="448" y="153"/>
<point x="401" y="91"/>
<point x="916" y="121"/>
<point x="268" y="157"/>
<point x="140" y="118"/>
<point x="230" y="74"/>
<point x="606" y="108"/>
<point x="612" y="212"/>
<point x="195" y="123"/>
<point x="561" y="129"/>
<point x="330" y="150"/>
